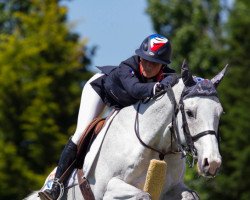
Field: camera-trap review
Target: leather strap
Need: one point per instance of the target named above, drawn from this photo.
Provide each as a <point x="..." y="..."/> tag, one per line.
<point x="87" y="139"/>
<point x="84" y="186"/>
<point x="209" y="132"/>
<point x="66" y="174"/>
<point x="89" y="128"/>
<point x="97" y="125"/>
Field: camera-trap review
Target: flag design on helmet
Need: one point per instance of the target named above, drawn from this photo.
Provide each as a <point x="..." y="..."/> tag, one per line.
<point x="157" y="41"/>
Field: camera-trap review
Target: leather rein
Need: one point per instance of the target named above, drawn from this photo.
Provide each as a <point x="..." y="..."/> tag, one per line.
<point x="188" y="147"/>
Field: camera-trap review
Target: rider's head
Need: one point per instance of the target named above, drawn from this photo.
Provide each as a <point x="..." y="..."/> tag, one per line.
<point x="155" y="51"/>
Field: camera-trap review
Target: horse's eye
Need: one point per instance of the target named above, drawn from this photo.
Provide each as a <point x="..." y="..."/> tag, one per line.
<point x="189" y="113"/>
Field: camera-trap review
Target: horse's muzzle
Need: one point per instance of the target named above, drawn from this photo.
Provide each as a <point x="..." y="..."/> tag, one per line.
<point x="209" y="168"/>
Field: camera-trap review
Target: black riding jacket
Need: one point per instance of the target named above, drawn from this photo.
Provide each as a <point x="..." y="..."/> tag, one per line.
<point x="124" y="85"/>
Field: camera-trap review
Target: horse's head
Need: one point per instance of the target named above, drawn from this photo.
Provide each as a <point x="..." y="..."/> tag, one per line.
<point x="198" y="120"/>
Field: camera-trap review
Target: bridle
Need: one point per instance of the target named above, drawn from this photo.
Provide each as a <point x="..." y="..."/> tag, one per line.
<point x="187" y="148"/>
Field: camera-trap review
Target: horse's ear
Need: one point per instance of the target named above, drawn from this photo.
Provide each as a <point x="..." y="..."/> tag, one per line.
<point x="217" y="79"/>
<point x="186" y="75"/>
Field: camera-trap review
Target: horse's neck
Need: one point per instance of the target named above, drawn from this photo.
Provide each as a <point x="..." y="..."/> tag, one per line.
<point x="156" y="117"/>
<point x="161" y="109"/>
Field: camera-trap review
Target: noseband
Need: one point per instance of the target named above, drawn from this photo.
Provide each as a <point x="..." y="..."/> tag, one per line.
<point x="188" y="147"/>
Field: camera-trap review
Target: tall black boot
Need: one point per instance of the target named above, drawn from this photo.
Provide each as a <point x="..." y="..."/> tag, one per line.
<point x="67" y="157"/>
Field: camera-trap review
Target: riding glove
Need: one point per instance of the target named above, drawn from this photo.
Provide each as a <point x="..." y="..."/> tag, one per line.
<point x="158" y="88"/>
<point x="170" y="80"/>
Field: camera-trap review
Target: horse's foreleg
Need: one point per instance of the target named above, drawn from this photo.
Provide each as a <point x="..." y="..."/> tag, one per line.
<point x="181" y="192"/>
<point x="118" y="189"/>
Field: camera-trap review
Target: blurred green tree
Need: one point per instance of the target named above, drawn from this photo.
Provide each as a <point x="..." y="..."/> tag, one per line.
<point x="195" y="31"/>
<point x="42" y="67"/>
<point x="235" y="92"/>
<point x="209" y="34"/>
<point x="7" y="8"/>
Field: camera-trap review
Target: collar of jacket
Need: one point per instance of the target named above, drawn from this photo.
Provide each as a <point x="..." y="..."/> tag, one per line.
<point x="134" y="63"/>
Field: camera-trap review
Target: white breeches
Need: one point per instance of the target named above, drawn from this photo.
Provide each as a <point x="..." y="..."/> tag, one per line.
<point x="90" y="107"/>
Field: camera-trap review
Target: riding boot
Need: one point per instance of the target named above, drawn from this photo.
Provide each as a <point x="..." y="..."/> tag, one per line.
<point x="67" y="157"/>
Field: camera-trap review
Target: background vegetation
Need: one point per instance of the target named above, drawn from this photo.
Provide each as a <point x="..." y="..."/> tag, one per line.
<point x="209" y="34"/>
<point x="43" y="66"/>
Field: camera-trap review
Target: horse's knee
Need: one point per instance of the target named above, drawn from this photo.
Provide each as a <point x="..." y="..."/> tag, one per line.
<point x="118" y="189"/>
<point x="189" y="195"/>
<point x="181" y="191"/>
<point x="143" y="196"/>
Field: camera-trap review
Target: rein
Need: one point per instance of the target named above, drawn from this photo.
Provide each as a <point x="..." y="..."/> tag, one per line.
<point x="136" y="128"/>
<point x="188" y="147"/>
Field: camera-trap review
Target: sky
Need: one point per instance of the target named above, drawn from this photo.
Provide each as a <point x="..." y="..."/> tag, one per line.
<point x="117" y="27"/>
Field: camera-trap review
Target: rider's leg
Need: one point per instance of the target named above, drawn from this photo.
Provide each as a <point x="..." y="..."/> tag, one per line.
<point x="67" y="157"/>
<point x="91" y="106"/>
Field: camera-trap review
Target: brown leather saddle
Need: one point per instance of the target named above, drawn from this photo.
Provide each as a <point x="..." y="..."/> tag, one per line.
<point x="87" y="139"/>
<point x="83" y="147"/>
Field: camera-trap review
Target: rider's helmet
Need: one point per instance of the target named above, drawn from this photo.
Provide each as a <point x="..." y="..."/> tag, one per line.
<point x="155" y="48"/>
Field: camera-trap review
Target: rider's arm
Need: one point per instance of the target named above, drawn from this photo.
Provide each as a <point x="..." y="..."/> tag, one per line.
<point x="132" y="84"/>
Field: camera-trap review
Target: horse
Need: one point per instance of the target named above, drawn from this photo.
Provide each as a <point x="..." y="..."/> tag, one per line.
<point x="182" y="120"/>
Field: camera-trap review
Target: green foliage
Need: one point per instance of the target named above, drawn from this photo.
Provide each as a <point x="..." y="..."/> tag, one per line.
<point x="194" y="28"/>
<point x="235" y="94"/>
<point x="40" y="64"/>
<point x="210" y="34"/>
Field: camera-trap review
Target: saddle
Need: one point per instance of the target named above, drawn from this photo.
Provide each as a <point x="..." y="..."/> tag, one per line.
<point x="87" y="139"/>
<point x="83" y="147"/>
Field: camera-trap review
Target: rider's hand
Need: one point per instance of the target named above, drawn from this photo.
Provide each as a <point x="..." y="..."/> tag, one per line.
<point x="170" y="80"/>
<point x="158" y="88"/>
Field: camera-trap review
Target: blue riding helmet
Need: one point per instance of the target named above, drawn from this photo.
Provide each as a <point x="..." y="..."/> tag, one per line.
<point x="155" y="48"/>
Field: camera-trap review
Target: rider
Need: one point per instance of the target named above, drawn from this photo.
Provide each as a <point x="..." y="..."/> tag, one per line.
<point x="139" y="77"/>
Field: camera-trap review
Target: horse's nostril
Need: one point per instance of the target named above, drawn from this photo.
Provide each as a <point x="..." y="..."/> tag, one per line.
<point x="205" y="166"/>
<point x="205" y="163"/>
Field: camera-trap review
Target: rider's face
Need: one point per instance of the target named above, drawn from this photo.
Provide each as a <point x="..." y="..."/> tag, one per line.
<point x="150" y="69"/>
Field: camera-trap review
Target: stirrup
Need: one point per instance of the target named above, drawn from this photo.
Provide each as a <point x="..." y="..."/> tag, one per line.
<point x="61" y="186"/>
<point x="49" y="186"/>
